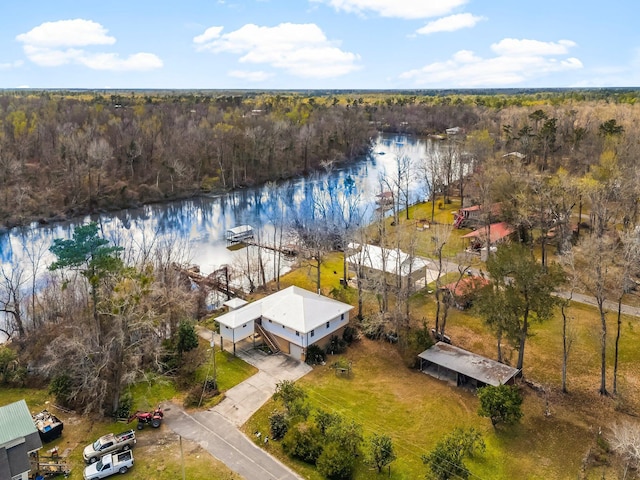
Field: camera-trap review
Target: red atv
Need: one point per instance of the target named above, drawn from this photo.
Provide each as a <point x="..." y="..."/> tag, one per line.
<point x="154" y="418"/>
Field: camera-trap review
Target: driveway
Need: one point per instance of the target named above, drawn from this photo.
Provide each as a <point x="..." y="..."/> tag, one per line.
<point x="216" y="430"/>
<point x="223" y="440"/>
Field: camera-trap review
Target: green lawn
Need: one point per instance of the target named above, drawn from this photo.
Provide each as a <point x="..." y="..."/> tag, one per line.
<point x="416" y="411"/>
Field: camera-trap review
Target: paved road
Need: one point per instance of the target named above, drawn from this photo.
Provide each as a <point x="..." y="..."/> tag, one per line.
<point x="608" y="305"/>
<point x="216" y="430"/>
<point x="223" y="440"/>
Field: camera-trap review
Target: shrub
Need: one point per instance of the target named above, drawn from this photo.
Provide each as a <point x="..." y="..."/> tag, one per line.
<point x="60" y="387"/>
<point x="315" y="355"/>
<point x="278" y="424"/>
<point x="336" y="345"/>
<point x="201" y="393"/>
<point x="10" y="369"/>
<point x="186" y="338"/>
<point x="446" y="460"/>
<point x="501" y="404"/>
<point x="335" y="462"/>
<point x="350" y="334"/>
<point x="324" y="420"/>
<point x="124" y="409"/>
<point x="303" y="441"/>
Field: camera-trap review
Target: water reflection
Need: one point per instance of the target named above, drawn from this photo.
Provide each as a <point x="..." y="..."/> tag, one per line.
<point x="198" y="225"/>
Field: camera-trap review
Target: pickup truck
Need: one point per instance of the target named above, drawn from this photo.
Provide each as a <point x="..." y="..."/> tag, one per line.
<point x="108" y="465"/>
<point x="110" y="443"/>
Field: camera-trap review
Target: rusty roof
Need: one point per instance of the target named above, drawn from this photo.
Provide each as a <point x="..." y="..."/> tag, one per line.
<point x="470" y="364"/>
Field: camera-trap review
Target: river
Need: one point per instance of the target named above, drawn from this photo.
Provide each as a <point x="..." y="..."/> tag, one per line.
<point x="198" y="225"/>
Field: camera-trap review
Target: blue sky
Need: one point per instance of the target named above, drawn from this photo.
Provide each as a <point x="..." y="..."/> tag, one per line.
<point x="318" y="44"/>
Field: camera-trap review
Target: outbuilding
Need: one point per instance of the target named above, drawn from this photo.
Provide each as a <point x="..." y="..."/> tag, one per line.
<point x="464" y="368"/>
<point x="18" y="439"/>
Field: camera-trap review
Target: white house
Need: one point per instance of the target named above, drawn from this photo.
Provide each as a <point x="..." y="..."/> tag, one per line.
<point x="390" y="261"/>
<point x="18" y="439"/>
<point x="289" y="320"/>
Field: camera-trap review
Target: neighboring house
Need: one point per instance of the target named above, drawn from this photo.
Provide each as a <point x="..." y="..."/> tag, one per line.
<point x="464" y="368"/>
<point x="18" y="439"/>
<point x="462" y="292"/>
<point x="289" y="321"/>
<point x="489" y="236"/>
<point x="472" y="216"/>
<point x="374" y="262"/>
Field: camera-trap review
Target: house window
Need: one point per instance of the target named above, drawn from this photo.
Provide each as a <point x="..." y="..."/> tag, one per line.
<point x="244" y="326"/>
<point x="328" y="323"/>
<point x="297" y="333"/>
<point x="342" y="317"/>
<point x="313" y="332"/>
<point x="269" y="320"/>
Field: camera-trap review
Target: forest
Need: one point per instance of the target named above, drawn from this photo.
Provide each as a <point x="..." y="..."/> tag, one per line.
<point x="64" y="154"/>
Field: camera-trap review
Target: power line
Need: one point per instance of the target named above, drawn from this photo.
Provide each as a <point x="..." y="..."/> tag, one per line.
<point x="369" y="424"/>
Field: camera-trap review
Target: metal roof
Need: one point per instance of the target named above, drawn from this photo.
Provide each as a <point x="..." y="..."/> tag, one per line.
<point x="15" y="422"/>
<point x="470" y="364"/>
<point x="293" y="307"/>
<point x="235" y="303"/>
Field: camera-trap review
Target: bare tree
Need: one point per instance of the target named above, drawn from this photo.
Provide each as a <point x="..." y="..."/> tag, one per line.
<point x="625" y="441"/>
<point x="12" y="281"/>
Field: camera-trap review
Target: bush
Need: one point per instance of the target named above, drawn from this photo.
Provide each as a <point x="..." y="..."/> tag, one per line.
<point x="200" y="393"/>
<point x="278" y="424"/>
<point x="124" y="409"/>
<point x="336" y="463"/>
<point x="303" y="441"/>
<point x="373" y="326"/>
<point x="350" y="334"/>
<point x="60" y="388"/>
<point x="315" y="355"/>
<point x="336" y="345"/>
<point x="501" y="404"/>
<point x="186" y="338"/>
<point x="10" y="370"/>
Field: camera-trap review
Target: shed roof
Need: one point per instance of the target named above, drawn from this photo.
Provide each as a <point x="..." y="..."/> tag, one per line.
<point x="235" y="303"/>
<point x="293" y="307"/>
<point x="470" y="364"/>
<point x="466" y="285"/>
<point x="15" y="422"/>
<point x="498" y="231"/>
<point x="387" y="260"/>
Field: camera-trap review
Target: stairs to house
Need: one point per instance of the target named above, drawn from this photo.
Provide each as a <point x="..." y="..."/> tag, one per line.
<point x="268" y="339"/>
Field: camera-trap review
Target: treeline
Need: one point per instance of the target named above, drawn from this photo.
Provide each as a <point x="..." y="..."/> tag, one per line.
<point x="63" y="155"/>
<point x="69" y="153"/>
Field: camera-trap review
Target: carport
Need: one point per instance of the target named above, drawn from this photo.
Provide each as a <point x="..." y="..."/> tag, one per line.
<point x="464" y="368"/>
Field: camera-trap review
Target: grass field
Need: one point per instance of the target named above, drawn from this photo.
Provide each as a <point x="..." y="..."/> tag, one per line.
<point x="416" y="411"/>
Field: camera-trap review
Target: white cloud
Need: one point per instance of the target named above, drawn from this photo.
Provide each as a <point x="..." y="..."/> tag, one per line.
<point x="112" y="61"/>
<point x="517" y="47"/>
<point x="53" y="44"/>
<point x="408" y="9"/>
<point x="258" y="76"/>
<point x="11" y="65"/>
<point x="450" y="23"/>
<point x="466" y="69"/>
<point x="299" y="49"/>
<point x="208" y="35"/>
<point x="67" y="33"/>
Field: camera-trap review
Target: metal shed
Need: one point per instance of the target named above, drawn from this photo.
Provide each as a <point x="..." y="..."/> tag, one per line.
<point x="462" y="367"/>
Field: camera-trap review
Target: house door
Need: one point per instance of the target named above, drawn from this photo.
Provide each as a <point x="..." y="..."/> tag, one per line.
<point x="295" y="351"/>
